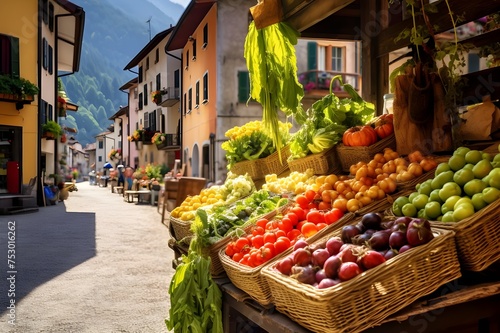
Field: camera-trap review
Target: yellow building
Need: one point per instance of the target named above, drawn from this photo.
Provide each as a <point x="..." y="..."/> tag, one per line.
<point x="39" y="40"/>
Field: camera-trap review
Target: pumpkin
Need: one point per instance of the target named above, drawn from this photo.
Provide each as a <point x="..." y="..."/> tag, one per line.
<point x="359" y="136"/>
<point x="384" y="126"/>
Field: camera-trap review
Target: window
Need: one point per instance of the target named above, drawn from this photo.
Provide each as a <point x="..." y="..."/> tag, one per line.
<point x="140" y="74"/>
<point x="190" y="99"/>
<point x="51" y="60"/>
<point x="100" y="158"/>
<point x="45" y="59"/>
<point x="147" y="63"/>
<point x="205" y="36"/>
<point x="337" y="59"/>
<point x="45" y="11"/>
<point x="194" y="49"/>
<point x="157" y="55"/>
<point x="152" y="121"/>
<point x="101" y="144"/>
<point x="9" y="55"/>
<point x="140" y="101"/>
<point x="205" y="88"/>
<point x="43" y="111"/>
<point x="50" y="112"/>
<point x="187" y="59"/>
<point x="177" y="83"/>
<point x="185" y="107"/>
<point x="158" y="81"/>
<point x="197" y="96"/>
<point x="146" y="120"/>
<point x="51" y="17"/>
<point x="243" y="87"/>
<point x="145" y="94"/>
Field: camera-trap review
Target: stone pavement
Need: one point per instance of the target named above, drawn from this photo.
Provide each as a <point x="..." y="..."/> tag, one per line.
<point x="93" y="263"/>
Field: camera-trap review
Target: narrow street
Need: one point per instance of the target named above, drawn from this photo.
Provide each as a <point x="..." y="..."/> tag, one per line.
<point x="94" y="263"/>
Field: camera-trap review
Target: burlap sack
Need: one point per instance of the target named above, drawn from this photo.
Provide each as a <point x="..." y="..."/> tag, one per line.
<point x="267" y="12"/>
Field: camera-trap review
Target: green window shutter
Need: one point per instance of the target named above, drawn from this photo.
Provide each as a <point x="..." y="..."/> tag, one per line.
<point x="14" y="56"/>
<point x="243" y="87"/>
<point x="312" y="57"/>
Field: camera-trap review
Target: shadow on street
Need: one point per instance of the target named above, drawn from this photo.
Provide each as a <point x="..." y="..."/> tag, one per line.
<point x="47" y="243"/>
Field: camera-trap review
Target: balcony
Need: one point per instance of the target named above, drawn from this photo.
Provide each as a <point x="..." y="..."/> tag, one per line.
<point x="170" y="141"/>
<point x="317" y="83"/>
<point x="170" y="97"/>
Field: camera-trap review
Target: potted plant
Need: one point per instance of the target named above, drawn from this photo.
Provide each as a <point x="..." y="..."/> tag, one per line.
<point x="17" y="87"/>
<point x="51" y="130"/>
<point x="156" y="96"/>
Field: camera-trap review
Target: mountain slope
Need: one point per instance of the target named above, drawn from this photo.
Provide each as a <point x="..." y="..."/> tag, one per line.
<point x="115" y="31"/>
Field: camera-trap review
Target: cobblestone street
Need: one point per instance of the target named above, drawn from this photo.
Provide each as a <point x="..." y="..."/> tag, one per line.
<point x="94" y="263"/>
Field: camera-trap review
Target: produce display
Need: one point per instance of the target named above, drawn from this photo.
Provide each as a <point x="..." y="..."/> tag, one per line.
<point x="294" y="183"/>
<point x="327" y="120"/>
<point x="269" y="238"/>
<point x="235" y="187"/>
<point x="464" y="185"/>
<point x="361" y="247"/>
<point x="366" y="135"/>
<point x="251" y="141"/>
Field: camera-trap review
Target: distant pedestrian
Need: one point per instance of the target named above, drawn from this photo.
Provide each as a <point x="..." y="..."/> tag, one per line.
<point x="121" y="177"/>
<point x="128" y="177"/>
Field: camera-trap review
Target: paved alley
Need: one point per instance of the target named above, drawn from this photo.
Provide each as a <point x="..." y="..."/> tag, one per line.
<point x="94" y="263"/>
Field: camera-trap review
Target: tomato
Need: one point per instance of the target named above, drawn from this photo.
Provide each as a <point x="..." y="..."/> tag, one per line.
<point x="269" y="237"/>
<point x="310" y="195"/>
<point x="271" y="225"/>
<point x="258" y="230"/>
<point x="282" y="244"/>
<point x="294" y="218"/>
<point x="321" y="226"/>
<point x="237" y="256"/>
<point x="258" y="241"/>
<point x="359" y="136"/>
<point x="300" y="224"/>
<point x="312" y="205"/>
<point x="241" y="244"/>
<point x="333" y="215"/>
<point x="279" y="233"/>
<point x="302" y="201"/>
<point x="292" y="235"/>
<point x="262" y="223"/>
<point x="309" y="229"/>
<point x="230" y="249"/>
<point x="268" y="251"/>
<point x="324" y="205"/>
<point x="384" y="126"/>
<point x="315" y="216"/>
<point x="285" y="224"/>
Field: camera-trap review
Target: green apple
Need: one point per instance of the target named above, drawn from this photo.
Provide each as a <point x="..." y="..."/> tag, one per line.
<point x="409" y="210"/>
<point x="420" y="201"/>
<point x="491" y="194"/>
<point x="473" y="156"/>
<point x="478" y="201"/>
<point x="494" y="178"/>
<point x="441" y="179"/>
<point x="448" y="190"/>
<point x="398" y="204"/>
<point x="456" y="162"/>
<point x="441" y="167"/>
<point x="468" y="166"/>
<point x="449" y="204"/>
<point x="412" y="196"/>
<point x="462" y="176"/>
<point x="463" y="211"/>
<point x="448" y="217"/>
<point x="461" y="201"/>
<point x="482" y="169"/>
<point x="487" y="156"/>
<point x="434" y="196"/>
<point x="432" y="209"/>
<point x="425" y="187"/>
<point x="474" y="186"/>
<point x="421" y="214"/>
<point x="461" y="151"/>
<point x="496" y="158"/>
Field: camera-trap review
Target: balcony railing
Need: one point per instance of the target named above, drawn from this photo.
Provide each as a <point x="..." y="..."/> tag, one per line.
<point x="170" y="97"/>
<point x="318" y="82"/>
<point x="171" y="141"/>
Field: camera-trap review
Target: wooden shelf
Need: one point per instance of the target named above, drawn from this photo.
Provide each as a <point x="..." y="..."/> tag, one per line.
<point x="479" y="84"/>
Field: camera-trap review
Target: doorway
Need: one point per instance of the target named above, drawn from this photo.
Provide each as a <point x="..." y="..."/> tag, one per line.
<point x="10" y="159"/>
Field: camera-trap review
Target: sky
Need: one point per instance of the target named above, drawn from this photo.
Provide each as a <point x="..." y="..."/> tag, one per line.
<point x="183" y="3"/>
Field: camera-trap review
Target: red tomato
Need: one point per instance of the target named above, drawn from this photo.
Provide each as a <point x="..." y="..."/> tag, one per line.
<point x="312" y="205"/>
<point x="272" y="225"/>
<point x="282" y="244"/>
<point x="321" y="226"/>
<point x="315" y="216"/>
<point x="285" y="224"/>
<point x="279" y="233"/>
<point x="300" y="224"/>
<point x="258" y="241"/>
<point x="322" y="205"/>
<point x="310" y="195"/>
<point x="292" y="235"/>
<point x="302" y="201"/>
<point x="268" y="251"/>
<point x="262" y="223"/>
<point x="258" y="230"/>
<point x="309" y="229"/>
<point x="293" y="217"/>
<point x="230" y="249"/>
<point x="238" y="256"/>
<point x="333" y="215"/>
<point x="299" y="212"/>
<point x="241" y="244"/>
<point x="269" y="237"/>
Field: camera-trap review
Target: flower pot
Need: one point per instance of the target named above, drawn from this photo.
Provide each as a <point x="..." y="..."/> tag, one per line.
<point x="48" y="136"/>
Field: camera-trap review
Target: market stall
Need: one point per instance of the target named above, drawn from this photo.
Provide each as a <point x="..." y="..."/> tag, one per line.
<point x="362" y="220"/>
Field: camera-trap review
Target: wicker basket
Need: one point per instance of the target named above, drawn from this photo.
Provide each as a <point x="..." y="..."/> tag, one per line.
<point x="410" y="184"/>
<point x="273" y="164"/>
<point x="477" y="237"/>
<point x="182" y="229"/>
<point x="351" y="155"/>
<point x="369" y="298"/>
<point x="255" y="169"/>
<point x="323" y="163"/>
<point x="251" y="281"/>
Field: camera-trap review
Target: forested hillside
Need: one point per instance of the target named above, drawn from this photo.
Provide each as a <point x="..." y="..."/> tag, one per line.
<point x="115" y="31"/>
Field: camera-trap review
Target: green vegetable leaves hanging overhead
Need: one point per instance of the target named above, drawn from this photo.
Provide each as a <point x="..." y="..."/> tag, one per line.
<point x="272" y="64"/>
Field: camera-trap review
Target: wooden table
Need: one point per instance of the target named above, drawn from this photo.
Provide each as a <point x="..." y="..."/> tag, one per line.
<point x="129" y="196"/>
